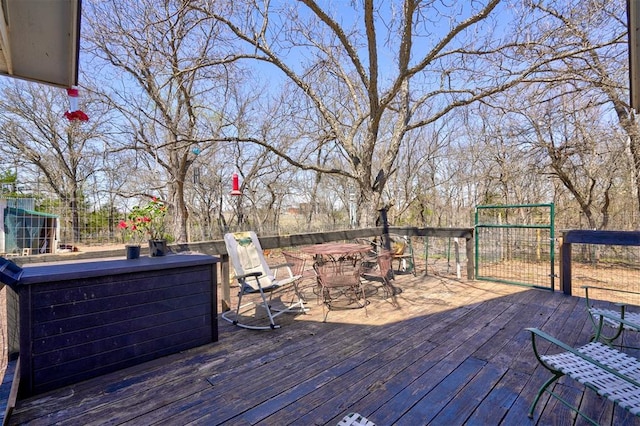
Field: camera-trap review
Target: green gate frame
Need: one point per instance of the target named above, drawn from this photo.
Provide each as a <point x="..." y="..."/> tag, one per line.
<point x="549" y="226"/>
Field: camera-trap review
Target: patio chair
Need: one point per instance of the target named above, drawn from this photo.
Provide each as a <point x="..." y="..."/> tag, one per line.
<point x="608" y="372"/>
<point x="616" y="320"/>
<point x="297" y="264"/>
<point x="255" y="277"/>
<point x="355" y="419"/>
<point x="402" y="251"/>
<point x="340" y="283"/>
<point x="384" y="274"/>
<point x="370" y="258"/>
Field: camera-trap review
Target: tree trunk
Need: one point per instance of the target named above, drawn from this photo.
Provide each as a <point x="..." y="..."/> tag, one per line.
<point x="179" y="213"/>
<point x="368" y="208"/>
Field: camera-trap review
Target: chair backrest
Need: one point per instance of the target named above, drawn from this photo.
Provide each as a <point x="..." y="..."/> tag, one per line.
<point x="374" y="245"/>
<point x="339" y="273"/>
<point x="246" y="255"/>
<point x="384" y="264"/>
<point x="296" y="264"/>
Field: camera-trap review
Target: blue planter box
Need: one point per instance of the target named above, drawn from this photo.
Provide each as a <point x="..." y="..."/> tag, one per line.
<point x="79" y="320"/>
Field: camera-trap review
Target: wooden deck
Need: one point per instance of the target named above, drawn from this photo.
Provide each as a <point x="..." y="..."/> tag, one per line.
<point x="452" y="352"/>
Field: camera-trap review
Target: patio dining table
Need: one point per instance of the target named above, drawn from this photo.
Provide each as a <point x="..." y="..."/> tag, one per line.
<point x="336" y="249"/>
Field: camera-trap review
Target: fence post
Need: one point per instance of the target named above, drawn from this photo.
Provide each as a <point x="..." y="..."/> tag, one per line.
<point x="470" y="264"/>
<point x="226" y="285"/>
<point x="457" y="248"/>
<point x="426" y="255"/>
<point x="565" y="266"/>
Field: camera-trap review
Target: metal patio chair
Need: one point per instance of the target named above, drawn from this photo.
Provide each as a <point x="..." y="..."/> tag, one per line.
<point x="613" y="316"/>
<point x="255" y="277"/>
<point x="297" y="263"/>
<point x="608" y="372"/>
<point x="341" y="286"/>
<point x="384" y="274"/>
<point x="370" y="258"/>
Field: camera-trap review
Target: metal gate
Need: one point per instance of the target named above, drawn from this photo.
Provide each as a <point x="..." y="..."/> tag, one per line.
<point x="515" y="244"/>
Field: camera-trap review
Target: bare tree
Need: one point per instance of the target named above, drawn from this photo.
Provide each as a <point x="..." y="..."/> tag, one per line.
<point x="422" y="162"/>
<point x="369" y="70"/>
<point x="587" y="157"/>
<point x="37" y="136"/>
<point x="354" y="97"/>
<point x="592" y="76"/>
<point x="561" y="115"/>
<point x="163" y="81"/>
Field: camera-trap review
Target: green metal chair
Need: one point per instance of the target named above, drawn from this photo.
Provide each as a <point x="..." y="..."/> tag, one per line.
<point x="402" y="251"/>
<point x="617" y="320"/>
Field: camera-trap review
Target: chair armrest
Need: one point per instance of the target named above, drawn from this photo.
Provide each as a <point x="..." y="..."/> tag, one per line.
<point x="541" y="334"/>
<point x="614" y="290"/>
<point x="286" y="266"/>
<point x="250" y="274"/>
<point x="617" y="318"/>
<point x="617" y="290"/>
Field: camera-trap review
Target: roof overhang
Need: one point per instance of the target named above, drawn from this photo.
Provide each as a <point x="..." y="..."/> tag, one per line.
<point x="24" y="212"/>
<point x="39" y="40"/>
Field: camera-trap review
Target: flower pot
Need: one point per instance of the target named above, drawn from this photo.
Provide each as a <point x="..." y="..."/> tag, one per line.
<point x="133" y="251"/>
<point x="157" y="248"/>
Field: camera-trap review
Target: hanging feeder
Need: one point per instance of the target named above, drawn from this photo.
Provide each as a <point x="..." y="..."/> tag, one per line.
<point x="74" y="114"/>
<point x="235" y="191"/>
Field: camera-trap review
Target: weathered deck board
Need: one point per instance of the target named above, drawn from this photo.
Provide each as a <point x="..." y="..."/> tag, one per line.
<point x="451" y="353"/>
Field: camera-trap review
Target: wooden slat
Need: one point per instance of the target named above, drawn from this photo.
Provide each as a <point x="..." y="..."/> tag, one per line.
<point x="452" y="353"/>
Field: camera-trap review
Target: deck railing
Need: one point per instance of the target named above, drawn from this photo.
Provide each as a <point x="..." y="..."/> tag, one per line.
<point x="296" y="240"/>
<point x="598" y="238"/>
<point x="217" y="247"/>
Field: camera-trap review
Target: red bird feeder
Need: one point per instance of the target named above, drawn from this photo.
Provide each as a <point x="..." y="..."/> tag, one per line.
<point x="74" y="113"/>
<point x="236" y="186"/>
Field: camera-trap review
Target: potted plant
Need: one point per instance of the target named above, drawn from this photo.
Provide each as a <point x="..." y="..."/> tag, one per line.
<point x="132" y="236"/>
<point x="148" y="221"/>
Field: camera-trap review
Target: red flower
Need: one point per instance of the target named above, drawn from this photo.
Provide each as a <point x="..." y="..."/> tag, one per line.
<point x="147" y="220"/>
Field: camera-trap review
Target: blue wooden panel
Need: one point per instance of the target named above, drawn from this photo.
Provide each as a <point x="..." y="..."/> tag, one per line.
<point x="619" y="238"/>
<point x="80" y="326"/>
